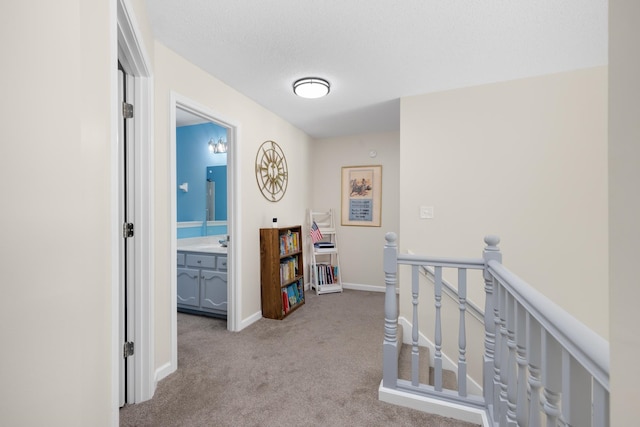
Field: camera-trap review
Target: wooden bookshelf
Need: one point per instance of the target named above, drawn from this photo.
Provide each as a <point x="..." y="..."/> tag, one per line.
<point x="281" y="271"/>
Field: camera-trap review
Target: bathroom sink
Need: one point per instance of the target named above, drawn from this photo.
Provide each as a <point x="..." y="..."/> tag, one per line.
<point x="209" y="245"/>
<point x="204" y="247"/>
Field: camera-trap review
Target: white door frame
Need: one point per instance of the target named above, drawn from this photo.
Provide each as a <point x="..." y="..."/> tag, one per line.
<point x="233" y="250"/>
<point x="128" y="48"/>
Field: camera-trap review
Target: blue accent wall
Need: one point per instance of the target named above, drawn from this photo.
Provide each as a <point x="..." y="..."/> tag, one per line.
<point x="212" y="230"/>
<point x="192" y="160"/>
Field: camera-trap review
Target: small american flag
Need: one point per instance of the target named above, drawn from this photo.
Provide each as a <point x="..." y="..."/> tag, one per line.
<point x="315" y="233"/>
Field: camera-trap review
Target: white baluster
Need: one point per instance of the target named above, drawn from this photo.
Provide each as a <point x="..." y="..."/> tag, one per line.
<point x="504" y="357"/>
<point x="498" y="291"/>
<point x="415" y="351"/>
<point x="462" y="334"/>
<point x="522" y="402"/>
<point x="511" y="362"/>
<point x="437" y="357"/>
<point x="491" y="252"/>
<point x="535" y="362"/>
<point x="551" y="378"/>
<point x="390" y="343"/>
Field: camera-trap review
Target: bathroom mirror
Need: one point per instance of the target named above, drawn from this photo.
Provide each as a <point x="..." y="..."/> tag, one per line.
<point x="211" y="200"/>
<point x="216" y="193"/>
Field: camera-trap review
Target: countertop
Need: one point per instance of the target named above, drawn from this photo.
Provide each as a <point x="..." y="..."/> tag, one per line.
<point x="208" y="244"/>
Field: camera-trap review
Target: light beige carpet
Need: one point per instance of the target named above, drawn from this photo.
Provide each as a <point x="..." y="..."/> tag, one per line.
<point x="321" y="366"/>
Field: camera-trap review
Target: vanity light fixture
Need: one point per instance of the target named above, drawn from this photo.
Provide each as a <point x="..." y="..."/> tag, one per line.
<point x="217" y="147"/>
<point x="311" y="87"/>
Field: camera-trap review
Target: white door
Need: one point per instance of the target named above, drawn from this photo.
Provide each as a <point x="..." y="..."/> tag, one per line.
<point x="127" y="242"/>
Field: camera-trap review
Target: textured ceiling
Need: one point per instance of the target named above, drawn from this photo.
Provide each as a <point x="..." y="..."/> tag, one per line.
<point x="375" y="51"/>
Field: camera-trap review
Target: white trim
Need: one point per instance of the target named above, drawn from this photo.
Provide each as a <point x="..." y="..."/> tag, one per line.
<point x="132" y="43"/>
<point x="144" y="223"/>
<point x="173" y="244"/>
<point x="163" y="372"/>
<point x="233" y="211"/>
<point x="433" y="406"/>
<point x="233" y="225"/>
<point x="250" y="320"/>
<point x="360" y="287"/>
<point x="127" y="43"/>
<point x="447" y="363"/>
<point x="191" y="224"/>
<point x="114" y="214"/>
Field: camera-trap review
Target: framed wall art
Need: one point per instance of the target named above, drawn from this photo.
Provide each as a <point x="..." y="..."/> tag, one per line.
<point x="361" y="195"/>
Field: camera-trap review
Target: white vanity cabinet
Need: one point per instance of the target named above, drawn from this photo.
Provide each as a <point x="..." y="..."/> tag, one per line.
<point x="202" y="283"/>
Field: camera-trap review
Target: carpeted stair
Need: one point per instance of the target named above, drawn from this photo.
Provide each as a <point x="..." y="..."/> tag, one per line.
<point x="425" y="371"/>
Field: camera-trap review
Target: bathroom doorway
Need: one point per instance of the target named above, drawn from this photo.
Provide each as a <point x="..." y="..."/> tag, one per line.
<point x="184" y="111"/>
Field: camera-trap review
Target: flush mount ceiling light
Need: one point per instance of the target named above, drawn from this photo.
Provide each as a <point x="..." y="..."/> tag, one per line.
<point x="311" y="87"/>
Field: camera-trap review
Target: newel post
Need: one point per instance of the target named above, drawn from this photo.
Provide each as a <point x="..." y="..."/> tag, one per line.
<point x="491" y="252"/>
<point x="390" y="343"/>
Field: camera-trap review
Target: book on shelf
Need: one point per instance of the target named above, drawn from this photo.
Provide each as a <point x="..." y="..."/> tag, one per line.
<point x="293" y="300"/>
<point x="288" y="269"/>
<point x="326" y="247"/>
<point x="326" y="274"/>
<point x="289" y="242"/>
<point x="320" y="245"/>
<point x="285" y="302"/>
<point x="292" y="295"/>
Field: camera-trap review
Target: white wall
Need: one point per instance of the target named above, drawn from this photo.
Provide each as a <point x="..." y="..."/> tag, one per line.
<point x="526" y="160"/>
<point x="360" y="247"/>
<point x="55" y="254"/>
<point x="624" y="208"/>
<point x="255" y="125"/>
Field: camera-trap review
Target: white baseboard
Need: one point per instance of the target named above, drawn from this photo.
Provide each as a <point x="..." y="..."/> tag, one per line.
<point x="361" y="287"/>
<point x="433" y="406"/>
<point x="250" y="320"/>
<point x="163" y="372"/>
<point x="355" y="287"/>
<point x="307" y="287"/>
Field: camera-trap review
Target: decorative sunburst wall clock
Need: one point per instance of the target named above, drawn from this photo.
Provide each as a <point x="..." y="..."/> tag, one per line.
<point x="272" y="174"/>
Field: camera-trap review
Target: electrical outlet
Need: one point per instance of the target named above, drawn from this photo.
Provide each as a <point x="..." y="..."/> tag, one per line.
<point x="426" y="212"/>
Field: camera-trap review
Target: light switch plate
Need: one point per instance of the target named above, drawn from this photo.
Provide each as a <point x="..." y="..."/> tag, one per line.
<point x="426" y="212"/>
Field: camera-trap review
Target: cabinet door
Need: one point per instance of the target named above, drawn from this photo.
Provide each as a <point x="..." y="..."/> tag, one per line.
<point x="221" y="262"/>
<point x="188" y="289"/>
<point x="213" y="291"/>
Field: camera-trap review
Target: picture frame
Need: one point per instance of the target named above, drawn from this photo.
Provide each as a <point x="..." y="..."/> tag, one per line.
<point x="361" y="195"/>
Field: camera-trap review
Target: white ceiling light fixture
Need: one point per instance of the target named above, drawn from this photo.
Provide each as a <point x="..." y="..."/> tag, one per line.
<point x="311" y="87"/>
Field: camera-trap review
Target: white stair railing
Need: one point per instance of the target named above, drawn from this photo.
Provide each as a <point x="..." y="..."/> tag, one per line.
<point x="540" y="364"/>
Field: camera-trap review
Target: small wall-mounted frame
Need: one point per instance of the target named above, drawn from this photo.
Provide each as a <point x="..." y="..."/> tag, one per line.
<point x="361" y="195"/>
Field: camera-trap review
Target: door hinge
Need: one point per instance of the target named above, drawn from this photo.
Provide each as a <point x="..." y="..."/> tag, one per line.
<point x="128" y="349"/>
<point x="127" y="229"/>
<point x="127" y="110"/>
